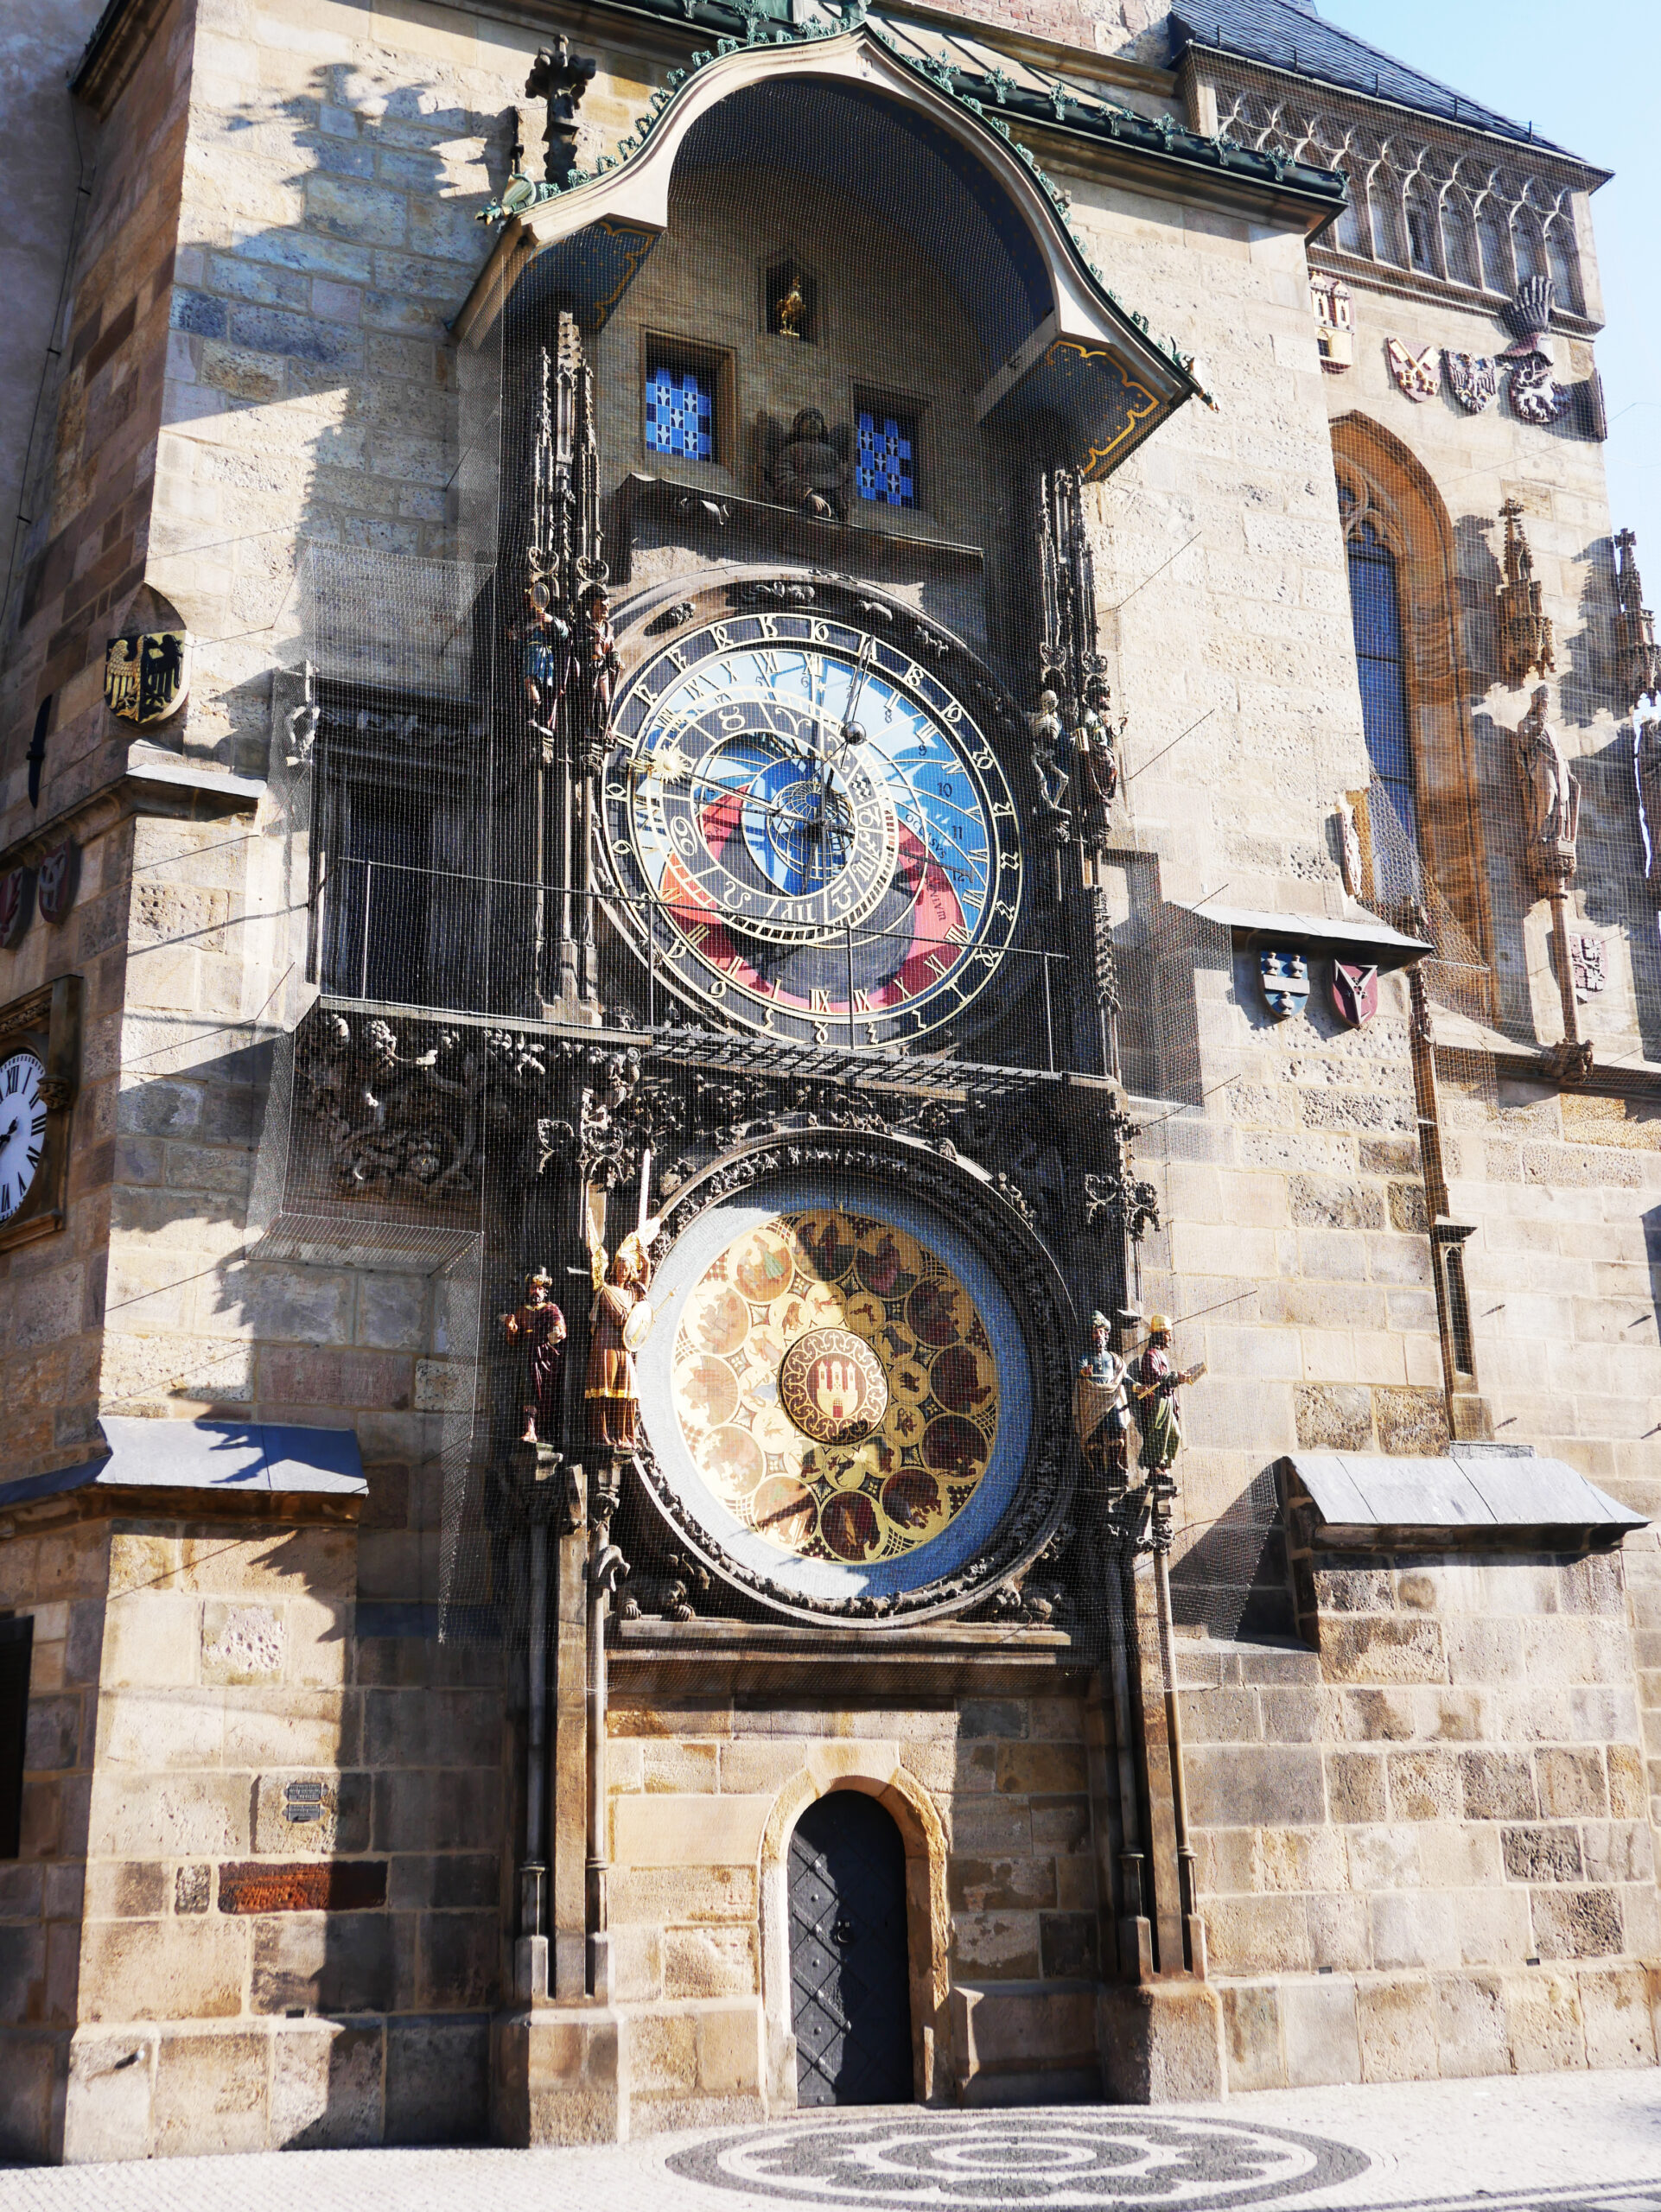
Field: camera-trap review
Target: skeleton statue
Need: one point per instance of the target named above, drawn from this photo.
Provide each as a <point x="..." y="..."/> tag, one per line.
<point x="1550" y="795"/>
<point x="1049" y="757"/>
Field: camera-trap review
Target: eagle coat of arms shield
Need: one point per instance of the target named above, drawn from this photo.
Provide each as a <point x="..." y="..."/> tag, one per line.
<point x="147" y="675"/>
<point x="1473" y="379"/>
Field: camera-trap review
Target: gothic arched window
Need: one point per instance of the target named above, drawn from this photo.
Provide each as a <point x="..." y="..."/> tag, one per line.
<point x="1459" y="239"/>
<point x="1495" y="234"/>
<point x="1565" y="262"/>
<point x="1421" y="227"/>
<point x="1381" y="658"/>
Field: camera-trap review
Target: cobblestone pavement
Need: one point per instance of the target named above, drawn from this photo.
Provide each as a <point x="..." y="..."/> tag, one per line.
<point x="1558" y="2143"/>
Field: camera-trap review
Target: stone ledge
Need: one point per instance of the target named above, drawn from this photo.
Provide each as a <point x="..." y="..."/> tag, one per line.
<point x="1368" y="1502"/>
<point x="265" y="1461"/>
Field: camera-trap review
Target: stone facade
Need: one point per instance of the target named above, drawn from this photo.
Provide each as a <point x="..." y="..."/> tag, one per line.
<point x="272" y="1879"/>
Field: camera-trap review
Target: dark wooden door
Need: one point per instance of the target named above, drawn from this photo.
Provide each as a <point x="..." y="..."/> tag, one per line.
<point x="850" y="1999"/>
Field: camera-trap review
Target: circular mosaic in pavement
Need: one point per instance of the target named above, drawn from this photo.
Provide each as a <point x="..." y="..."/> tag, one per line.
<point x="1107" y="2156"/>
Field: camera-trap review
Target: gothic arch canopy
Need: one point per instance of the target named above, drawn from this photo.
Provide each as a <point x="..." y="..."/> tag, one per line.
<point x="846" y="112"/>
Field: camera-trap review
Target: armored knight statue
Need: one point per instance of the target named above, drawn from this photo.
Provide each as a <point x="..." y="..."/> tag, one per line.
<point x="809" y="467"/>
<point x="538" y="1325"/>
<point x="1101" y="1405"/>
<point x="1155" y="1383"/>
<point x="1551" y="796"/>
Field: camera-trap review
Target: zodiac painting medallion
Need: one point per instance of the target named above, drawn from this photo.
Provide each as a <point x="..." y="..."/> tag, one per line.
<point x="836" y="1386"/>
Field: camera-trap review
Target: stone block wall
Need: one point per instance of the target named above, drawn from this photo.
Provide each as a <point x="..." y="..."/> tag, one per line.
<point x="886" y="322"/>
<point x="58" y="1580"/>
<point x="1425" y="1844"/>
<point x="293" y="1855"/>
<point x="1004" y="1786"/>
<point x="84" y="556"/>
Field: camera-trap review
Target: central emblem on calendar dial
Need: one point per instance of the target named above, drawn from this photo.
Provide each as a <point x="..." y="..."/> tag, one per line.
<point x="810" y="831"/>
<point x="833" y="1387"/>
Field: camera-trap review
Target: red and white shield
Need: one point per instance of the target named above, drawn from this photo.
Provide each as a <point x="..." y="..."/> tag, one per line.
<point x="1355" y="994"/>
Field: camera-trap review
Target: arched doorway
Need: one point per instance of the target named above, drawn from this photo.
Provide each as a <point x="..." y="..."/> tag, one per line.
<point x="850" y="2000"/>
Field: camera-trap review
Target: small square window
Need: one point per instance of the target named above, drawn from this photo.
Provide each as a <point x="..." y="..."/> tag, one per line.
<point x="680" y="409"/>
<point x="885" y="466"/>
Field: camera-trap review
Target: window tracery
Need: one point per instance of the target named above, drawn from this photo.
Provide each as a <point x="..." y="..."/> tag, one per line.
<point x="1411" y="195"/>
<point x="1405" y="606"/>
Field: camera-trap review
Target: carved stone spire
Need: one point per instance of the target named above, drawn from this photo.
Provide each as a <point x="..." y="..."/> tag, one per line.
<point x="1526" y="646"/>
<point x="1638" y="657"/>
<point x="560" y="78"/>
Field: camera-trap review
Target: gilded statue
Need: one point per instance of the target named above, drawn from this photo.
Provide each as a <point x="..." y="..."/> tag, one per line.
<point x="791" y="310"/>
<point x="618" y="1321"/>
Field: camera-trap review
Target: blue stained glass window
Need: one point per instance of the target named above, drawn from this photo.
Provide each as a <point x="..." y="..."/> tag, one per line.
<point x="680" y="411"/>
<point x="1380" y="653"/>
<point x="884" y="469"/>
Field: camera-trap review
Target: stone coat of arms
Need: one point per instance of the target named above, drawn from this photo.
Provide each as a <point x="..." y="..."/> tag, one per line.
<point x="1473" y="379"/>
<point x="147" y="675"/>
<point x="1419" y="375"/>
<point x="1286" y="983"/>
<point x="1355" y="994"/>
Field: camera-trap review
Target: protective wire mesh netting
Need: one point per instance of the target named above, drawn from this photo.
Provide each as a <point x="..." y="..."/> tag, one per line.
<point x="488" y="1054"/>
<point x="506" y="1030"/>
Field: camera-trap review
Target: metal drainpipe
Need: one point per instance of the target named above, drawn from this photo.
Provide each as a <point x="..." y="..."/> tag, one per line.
<point x="1130" y="1856"/>
<point x="533" y="1875"/>
<point x="605" y="1565"/>
<point x="1194" y="1933"/>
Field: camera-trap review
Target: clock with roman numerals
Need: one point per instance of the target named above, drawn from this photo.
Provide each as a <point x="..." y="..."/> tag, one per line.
<point x="40" y="1072"/>
<point x="23" y="1129"/>
<point x="810" y="830"/>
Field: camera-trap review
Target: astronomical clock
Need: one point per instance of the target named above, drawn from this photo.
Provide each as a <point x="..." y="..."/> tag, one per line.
<point x="811" y="839"/>
<point x="817" y="822"/>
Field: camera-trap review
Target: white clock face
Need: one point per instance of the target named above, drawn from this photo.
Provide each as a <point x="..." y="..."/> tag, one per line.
<point x="23" y="1129"/>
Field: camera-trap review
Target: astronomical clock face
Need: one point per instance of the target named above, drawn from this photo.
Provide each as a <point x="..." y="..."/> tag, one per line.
<point x="836" y="1386"/>
<point x="815" y="829"/>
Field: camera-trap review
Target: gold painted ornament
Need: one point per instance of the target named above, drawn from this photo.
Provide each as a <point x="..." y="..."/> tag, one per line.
<point x="147" y="675"/>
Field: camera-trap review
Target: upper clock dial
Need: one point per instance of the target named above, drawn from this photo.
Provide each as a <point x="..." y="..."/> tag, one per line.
<point x="23" y="1129"/>
<point x="820" y="835"/>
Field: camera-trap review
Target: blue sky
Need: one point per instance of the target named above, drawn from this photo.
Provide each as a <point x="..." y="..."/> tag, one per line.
<point x="1585" y="77"/>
